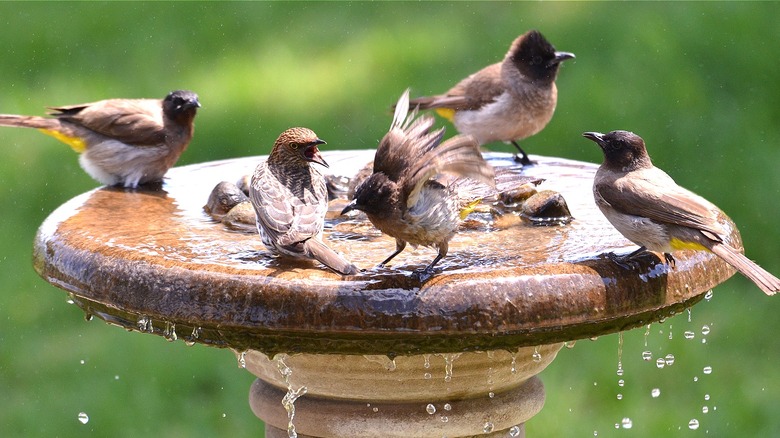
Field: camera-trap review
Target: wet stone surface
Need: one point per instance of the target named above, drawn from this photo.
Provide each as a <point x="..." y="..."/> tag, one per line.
<point x="504" y="284"/>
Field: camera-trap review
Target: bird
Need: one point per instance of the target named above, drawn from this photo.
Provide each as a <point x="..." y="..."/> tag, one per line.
<point x="507" y="101"/>
<point x="123" y="142"/>
<point x="290" y="200"/>
<point x="402" y="199"/>
<point x="647" y="207"/>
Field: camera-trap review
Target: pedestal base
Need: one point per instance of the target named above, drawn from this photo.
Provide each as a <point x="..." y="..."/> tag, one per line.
<point x="484" y="394"/>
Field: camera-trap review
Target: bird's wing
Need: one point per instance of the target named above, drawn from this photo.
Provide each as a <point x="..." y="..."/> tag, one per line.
<point x="458" y="156"/>
<point x="472" y="93"/>
<point x="137" y="122"/>
<point x="654" y="195"/>
<point x="287" y="218"/>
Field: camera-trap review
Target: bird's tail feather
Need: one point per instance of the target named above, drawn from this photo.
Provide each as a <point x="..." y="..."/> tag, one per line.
<point x="28" y="122"/>
<point x="758" y="275"/>
<point x="318" y="250"/>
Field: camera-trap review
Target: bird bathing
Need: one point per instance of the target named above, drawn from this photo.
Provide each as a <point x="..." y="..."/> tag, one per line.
<point x="373" y="350"/>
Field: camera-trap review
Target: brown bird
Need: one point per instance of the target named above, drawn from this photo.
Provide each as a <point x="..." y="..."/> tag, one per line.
<point x="650" y="209"/>
<point x="507" y="101"/>
<point x="400" y="197"/>
<point x="121" y="141"/>
<point x="290" y="200"/>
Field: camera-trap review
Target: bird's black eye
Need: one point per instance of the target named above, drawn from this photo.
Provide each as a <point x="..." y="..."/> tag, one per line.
<point x="536" y="60"/>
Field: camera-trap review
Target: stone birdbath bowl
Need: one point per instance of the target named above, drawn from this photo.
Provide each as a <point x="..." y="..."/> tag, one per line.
<point x="377" y="354"/>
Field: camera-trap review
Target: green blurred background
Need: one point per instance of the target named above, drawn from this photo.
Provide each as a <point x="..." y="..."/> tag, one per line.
<point x="699" y="81"/>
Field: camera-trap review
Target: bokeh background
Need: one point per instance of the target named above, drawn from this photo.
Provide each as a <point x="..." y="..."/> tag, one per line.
<point x="699" y="81"/>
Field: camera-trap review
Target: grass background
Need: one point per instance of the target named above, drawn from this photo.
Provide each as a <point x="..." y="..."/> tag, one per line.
<point x="699" y="81"/>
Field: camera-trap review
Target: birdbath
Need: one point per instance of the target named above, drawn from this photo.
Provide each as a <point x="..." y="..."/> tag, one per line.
<point x="379" y="353"/>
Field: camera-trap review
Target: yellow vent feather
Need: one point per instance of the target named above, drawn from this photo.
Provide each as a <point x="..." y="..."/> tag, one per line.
<point x="75" y="143"/>
<point x="447" y="113"/>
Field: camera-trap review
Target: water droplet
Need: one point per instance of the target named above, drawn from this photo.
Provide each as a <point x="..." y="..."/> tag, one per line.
<point x="660" y="362"/>
<point x="705" y="330"/>
<point x="83" y="418"/>
<point x="696" y="379"/>
<point x="242" y="360"/>
<point x="537" y="357"/>
<point x="669" y="359"/>
<point x="224" y="415"/>
<point x="427" y="363"/>
<point x="514" y="431"/>
<point x="568" y="344"/>
<point x="116" y="377"/>
<point x="196" y="331"/>
<point x="621" y="383"/>
<point x="707" y="370"/>
<point x="647" y="355"/>
<point x="88" y="316"/>
<point x="620" y="396"/>
<point x="491" y="394"/>
<point x="619" y="371"/>
<point x="375" y="409"/>
<point x="447" y="407"/>
<point x="514" y="363"/>
<point x="689" y="314"/>
<point x="427" y="376"/>
<point x="385" y="361"/>
<point x="706" y="396"/>
<point x="82" y="361"/>
<point x="693" y="424"/>
<point x="595" y="433"/>
<point x="488" y="427"/>
<point x="448" y="361"/>
<point x="647" y="333"/>
<point x="430" y="409"/>
<point x="655" y="392"/>
<point x="627" y="423"/>
<point x="704" y="341"/>
<point x="689" y="334"/>
<point x="444" y="419"/>
<point x="705" y="409"/>
<point x="708" y="295"/>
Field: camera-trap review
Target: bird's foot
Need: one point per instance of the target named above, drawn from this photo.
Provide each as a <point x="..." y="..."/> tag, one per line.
<point x="524" y="160"/>
<point x="669" y="258"/>
<point x="423" y="275"/>
<point x="625" y="261"/>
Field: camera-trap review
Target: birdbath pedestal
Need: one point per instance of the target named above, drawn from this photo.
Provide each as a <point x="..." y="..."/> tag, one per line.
<point x="377" y="354"/>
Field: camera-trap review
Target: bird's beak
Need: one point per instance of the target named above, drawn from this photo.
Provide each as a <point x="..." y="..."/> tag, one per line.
<point x="192" y="103"/>
<point x="594" y="136"/>
<point x="348" y="208"/>
<point x="312" y="153"/>
<point x="562" y="56"/>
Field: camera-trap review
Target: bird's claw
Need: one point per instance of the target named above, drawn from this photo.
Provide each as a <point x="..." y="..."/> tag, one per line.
<point x="624" y="262"/>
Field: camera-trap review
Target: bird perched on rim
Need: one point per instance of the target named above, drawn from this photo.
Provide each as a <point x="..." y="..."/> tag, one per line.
<point x="121" y="141"/>
<point x="400" y="197"/>
<point x="647" y="207"/>
<point x="290" y="200"/>
<point x="507" y="101"/>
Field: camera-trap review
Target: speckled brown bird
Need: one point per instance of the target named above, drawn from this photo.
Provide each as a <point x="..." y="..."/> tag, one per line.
<point x="121" y="141"/>
<point x="402" y="199"/>
<point x="507" y="101"/>
<point x="647" y="207"/>
<point x="290" y="200"/>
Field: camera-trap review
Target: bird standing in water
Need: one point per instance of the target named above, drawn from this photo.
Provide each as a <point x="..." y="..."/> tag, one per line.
<point x="400" y="197"/>
<point x="507" y="101"/>
<point x="121" y="141"/>
<point x="647" y="207"/>
<point x="290" y="200"/>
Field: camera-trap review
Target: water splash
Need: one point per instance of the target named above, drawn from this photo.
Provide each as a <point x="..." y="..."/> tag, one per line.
<point x="144" y="324"/>
<point x="170" y="332"/>
<point x="288" y="401"/>
<point x="385" y="361"/>
<point x="449" y="358"/>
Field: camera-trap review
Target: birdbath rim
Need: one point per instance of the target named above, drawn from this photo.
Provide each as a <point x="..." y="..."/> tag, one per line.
<point x="151" y="260"/>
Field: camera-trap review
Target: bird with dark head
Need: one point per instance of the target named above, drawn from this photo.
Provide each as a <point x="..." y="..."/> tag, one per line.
<point x="507" y="101"/>
<point x="402" y="198"/>
<point x="121" y="141"/>
<point x="290" y="201"/>
<point x="647" y="207"/>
